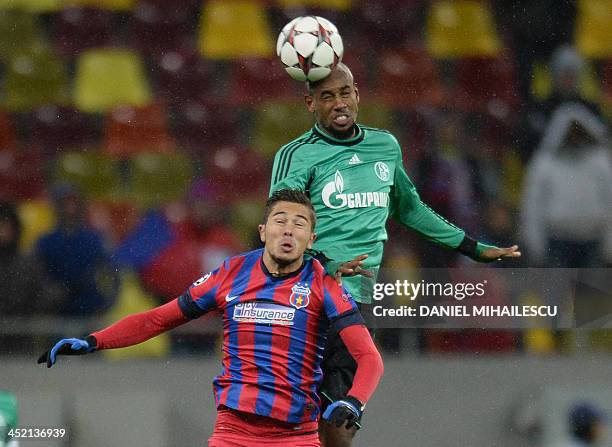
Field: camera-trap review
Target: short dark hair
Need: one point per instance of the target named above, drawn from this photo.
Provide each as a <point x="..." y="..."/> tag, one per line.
<point x="293" y="196"/>
<point x="341" y="66"/>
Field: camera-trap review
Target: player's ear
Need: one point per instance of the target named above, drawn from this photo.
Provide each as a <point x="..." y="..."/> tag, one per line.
<point x="309" y="100"/>
<point x="313" y="238"/>
<point x="262" y="232"/>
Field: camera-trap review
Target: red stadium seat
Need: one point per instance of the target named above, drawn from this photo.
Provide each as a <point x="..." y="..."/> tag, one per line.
<point x="388" y="23"/>
<point x="78" y="28"/>
<point x="182" y="76"/>
<point x="157" y="27"/>
<point x="487" y="84"/>
<point x="408" y="78"/>
<point x="238" y="173"/>
<point x="255" y="80"/>
<point x="132" y="130"/>
<point x="21" y="174"/>
<point x="200" y="126"/>
<point x="56" y="128"/>
<point x="7" y="132"/>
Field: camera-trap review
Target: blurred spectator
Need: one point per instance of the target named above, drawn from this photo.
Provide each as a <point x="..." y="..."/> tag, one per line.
<point x="198" y="244"/>
<point x="26" y="289"/>
<point x="75" y="255"/>
<point x="566" y="67"/>
<point x="447" y="181"/>
<point x="586" y="423"/>
<point x="567" y="201"/>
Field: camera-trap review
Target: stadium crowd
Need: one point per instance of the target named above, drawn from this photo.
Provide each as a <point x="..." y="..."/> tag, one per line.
<point x="137" y="139"/>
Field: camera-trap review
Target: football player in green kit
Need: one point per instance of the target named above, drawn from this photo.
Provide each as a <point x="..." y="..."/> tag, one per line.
<point x="355" y="178"/>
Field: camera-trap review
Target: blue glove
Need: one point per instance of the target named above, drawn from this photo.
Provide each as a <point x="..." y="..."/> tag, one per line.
<point x="346" y="411"/>
<point x="68" y="346"/>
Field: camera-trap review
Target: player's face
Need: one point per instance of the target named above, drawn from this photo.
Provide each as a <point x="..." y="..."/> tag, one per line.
<point x="335" y="104"/>
<point x="287" y="234"/>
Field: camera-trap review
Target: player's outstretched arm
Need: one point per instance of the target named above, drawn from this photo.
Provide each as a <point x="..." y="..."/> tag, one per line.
<point x="347" y="411"/>
<point x="128" y="331"/>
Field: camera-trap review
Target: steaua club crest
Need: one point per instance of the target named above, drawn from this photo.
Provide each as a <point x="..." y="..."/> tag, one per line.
<point x="300" y="296"/>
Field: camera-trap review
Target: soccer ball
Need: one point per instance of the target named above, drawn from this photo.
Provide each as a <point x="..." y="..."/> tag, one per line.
<point x="309" y="47"/>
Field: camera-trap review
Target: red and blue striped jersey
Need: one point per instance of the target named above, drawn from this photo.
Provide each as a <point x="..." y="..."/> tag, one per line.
<point x="274" y="331"/>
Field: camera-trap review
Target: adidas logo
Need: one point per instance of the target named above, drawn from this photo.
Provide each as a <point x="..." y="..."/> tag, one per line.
<point x="354" y="160"/>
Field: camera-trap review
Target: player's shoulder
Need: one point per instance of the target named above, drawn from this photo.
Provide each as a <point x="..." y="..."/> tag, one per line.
<point x="306" y="141"/>
<point x="383" y="135"/>
<point x="238" y="260"/>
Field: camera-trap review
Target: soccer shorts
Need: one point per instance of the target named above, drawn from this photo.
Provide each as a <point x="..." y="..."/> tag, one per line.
<point x="239" y="429"/>
<point x="338" y="365"/>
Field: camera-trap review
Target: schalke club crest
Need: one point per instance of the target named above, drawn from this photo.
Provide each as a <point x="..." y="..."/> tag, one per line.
<point x="300" y="296"/>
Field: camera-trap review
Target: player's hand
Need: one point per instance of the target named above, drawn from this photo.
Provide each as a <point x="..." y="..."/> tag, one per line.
<point x="67" y="346"/>
<point x="345" y="412"/>
<point x="495" y="253"/>
<point x="352" y="268"/>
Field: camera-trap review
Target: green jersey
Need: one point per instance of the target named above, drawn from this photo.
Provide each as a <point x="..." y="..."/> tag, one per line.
<point x="354" y="186"/>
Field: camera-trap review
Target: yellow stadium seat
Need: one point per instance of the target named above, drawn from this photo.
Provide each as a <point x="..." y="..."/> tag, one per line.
<point x="114" y="5"/>
<point x="376" y="115"/>
<point x="19" y="31"/>
<point x="108" y="77"/>
<point x="94" y="173"/>
<point x="234" y="29"/>
<point x="277" y="123"/>
<point x="133" y="299"/>
<point x="339" y="5"/>
<point x="34" y="6"/>
<point x="38" y="218"/>
<point x="33" y="79"/>
<point x="461" y="28"/>
<point x="593" y="32"/>
<point x="159" y="178"/>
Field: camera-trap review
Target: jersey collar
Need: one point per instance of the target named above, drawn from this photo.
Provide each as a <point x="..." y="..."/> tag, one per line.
<point x="282" y="277"/>
<point x="356" y="139"/>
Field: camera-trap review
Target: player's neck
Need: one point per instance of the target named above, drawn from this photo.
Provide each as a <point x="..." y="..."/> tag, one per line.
<point x="275" y="268"/>
<point x="350" y="133"/>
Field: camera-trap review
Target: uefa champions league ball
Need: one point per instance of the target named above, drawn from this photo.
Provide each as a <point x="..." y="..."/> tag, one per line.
<point x="309" y="47"/>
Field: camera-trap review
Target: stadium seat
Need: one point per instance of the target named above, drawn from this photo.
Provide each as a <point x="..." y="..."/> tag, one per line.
<point x="386" y="23"/>
<point x="38" y="218"/>
<point x="461" y="28"/>
<point x="76" y="29"/>
<point x="234" y="29"/>
<point x="256" y="80"/>
<point x="133" y="299"/>
<point x="7" y="132"/>
<point x="107" y="77"/>
<point x="340" y="5"/>
<point x="182" y="76"/>
<point x="158" y="27"/>
<point x="201" y="125"/>
<point x="56" y="129"/>
<point x="19" y="31"/>
<point x="132" y="130"/>
<point x="33" y="79"/>
<point x="376" y="115"/>
<point x="21" y="174"/>
<point x="160" y="178"/>
<point x="33" y="6"/>
<point x="238" y="173"/>
<point x="96" y="174"/>
<point x="486" y="83"/>
<point x="276" y="123"/>
<point x="408" y="78"/>
<point x="593" y="31"/>
<point x="113" y="5"/>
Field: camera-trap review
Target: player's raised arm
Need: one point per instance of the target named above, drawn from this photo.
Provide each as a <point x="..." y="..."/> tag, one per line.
<point x="290" y="171"/>
<point x="200" y="298"/>
<point x="408" y="208"/>
<point x="128" y="331"/>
